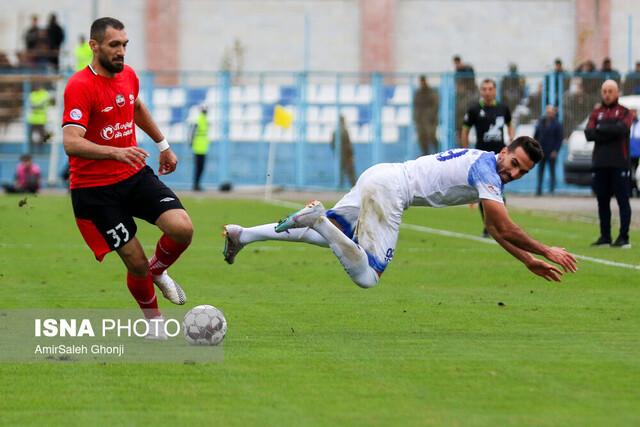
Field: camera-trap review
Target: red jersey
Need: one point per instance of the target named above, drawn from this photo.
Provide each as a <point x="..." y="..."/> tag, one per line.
<point x="104" y="107"/>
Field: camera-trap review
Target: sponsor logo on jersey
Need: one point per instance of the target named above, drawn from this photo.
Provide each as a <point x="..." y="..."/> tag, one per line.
<point x="167" y="199"/>
<point x="493" y="189"/>
<point x="107" y="109"/>
<point x="107" y="133"/>
<point x="120" y="100"/>
<point x="75" y="114"/>
<point x="119" y="130"/>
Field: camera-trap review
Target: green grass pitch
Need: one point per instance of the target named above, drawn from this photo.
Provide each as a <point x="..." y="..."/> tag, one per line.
<point x="431" y="345"/>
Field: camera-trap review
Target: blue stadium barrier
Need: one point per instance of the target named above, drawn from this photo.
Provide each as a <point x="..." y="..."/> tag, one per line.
<point x="377" y="108"/>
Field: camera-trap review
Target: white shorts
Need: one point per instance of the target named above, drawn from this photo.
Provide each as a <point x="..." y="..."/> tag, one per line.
<point x="371" y="212"/>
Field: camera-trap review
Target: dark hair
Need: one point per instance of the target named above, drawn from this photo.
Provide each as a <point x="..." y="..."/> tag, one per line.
<point x="25" y="157"/>
<point x="558" y="61"/>
<point x="493" y="82"/>
<point x="99" y="27"/>
<point x="529" y="145"/>
<point x="457" y="58"/>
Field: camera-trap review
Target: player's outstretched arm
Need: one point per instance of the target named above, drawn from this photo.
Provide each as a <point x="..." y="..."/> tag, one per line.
<point x="515" y="241"/>
<point x="142" y="117"/>
<point x="75" y="144"/>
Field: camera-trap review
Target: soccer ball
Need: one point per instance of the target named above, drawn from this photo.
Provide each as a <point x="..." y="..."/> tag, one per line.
<point x="204" y="325"/>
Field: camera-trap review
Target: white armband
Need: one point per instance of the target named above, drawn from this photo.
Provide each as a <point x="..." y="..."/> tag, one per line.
<point x="162" y="145"/>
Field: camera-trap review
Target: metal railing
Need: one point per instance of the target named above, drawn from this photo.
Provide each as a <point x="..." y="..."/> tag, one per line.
<point x="378" y="109"/>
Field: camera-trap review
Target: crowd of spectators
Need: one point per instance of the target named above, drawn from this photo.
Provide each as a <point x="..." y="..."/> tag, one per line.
<point x="573" y="93"/>
<point x="42" y="44"/>
<point x="40" y="52"/>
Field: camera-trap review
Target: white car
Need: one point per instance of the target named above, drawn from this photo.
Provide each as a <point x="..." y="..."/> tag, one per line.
<point x="577" y="166"/>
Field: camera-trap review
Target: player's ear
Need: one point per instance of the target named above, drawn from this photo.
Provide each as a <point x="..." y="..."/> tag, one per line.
<point x="93" y="44"/>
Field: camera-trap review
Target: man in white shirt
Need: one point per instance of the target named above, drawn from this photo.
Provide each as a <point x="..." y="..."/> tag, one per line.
<point x="362" y="228"/>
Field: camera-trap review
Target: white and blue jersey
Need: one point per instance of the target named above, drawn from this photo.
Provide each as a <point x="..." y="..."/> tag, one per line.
<point x="454" y="177"/>
<point x="372" y="211"/>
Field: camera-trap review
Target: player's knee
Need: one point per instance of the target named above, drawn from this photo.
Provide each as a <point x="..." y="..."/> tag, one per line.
<point x="185" y="231"/>
<point x="366" y="279"/>
<point x="181" y="229"/>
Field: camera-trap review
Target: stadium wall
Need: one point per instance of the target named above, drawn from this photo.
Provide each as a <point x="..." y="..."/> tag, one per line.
<point x="487" y="33"/>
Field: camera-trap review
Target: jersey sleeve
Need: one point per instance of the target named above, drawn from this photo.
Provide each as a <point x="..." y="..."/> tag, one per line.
<point x="469" y="118"/>
<point x="77" y="105"/>
<point x="484" y="177"/>
<point x="507" y="116"/>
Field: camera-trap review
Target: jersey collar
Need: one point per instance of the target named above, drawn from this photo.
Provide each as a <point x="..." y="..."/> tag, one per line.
<point x="494" y="103"/>
<point x="92" y="70"/>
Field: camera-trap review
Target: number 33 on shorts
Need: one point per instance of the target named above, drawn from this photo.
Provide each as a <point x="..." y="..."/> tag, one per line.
<point x="119" y="234"/>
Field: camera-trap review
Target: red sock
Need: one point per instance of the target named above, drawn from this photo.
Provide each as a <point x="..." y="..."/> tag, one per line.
<point x="167" y="252"/>
<point x="142" y="290"/>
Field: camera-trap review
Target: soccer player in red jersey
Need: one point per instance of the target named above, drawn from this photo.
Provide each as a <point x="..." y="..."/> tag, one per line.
<point x="110" y="181"/>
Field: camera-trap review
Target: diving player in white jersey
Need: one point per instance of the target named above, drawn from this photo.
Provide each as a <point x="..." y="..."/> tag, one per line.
<point x="362" y="228"/>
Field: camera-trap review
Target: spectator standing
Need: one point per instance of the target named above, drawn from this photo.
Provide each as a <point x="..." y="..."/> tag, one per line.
<point x="82" y="53"/>
<point x="200" y="146"/>
<point x="607" y="71"/>
<point x="534" y="102"/>
<point x="549" y="134"/>
<point x="55" y="38"/>
<point x="465" y="85"/>
<point x="608" y="126"/>
<point x="631" y="84"/>
<point x="27" y="179"/>
<point x="39" y="101"/>
<point x="634" y="152"/>
<point x="512" y="88"/>
<point x="32" y="35"/>
<point x="489" y="118"/>
<point x="591" y="80"/>
<point x="425" y="116"/>
<point x="462" y="69"/>
<point x="577" y="105"/>
<point x="559" y="78"/>
<point x="346" y="152"/>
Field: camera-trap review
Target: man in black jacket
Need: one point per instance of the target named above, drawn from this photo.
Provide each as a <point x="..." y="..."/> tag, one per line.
<point x="608" y="127"/>
<point x="549" y="134"/>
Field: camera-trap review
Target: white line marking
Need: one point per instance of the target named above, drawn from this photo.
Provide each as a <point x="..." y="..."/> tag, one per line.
<point x="446" y="233"/>
<point x="455" y="234"/>
<point x="607" y="262"/>
<point x="283" y="203"/>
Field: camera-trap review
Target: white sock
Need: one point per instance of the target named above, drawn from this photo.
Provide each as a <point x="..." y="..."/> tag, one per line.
<point x="352" y="257"/>
<point x="268" y="232"/>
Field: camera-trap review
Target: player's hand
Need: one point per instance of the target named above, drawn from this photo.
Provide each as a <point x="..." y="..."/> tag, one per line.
<point x="562" y="257"/>
<point x="544" y="270"/>
<point x="168" y="162"/>
<point x="133" y="156"/>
